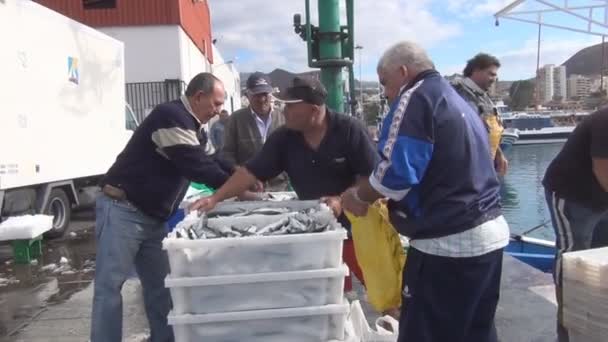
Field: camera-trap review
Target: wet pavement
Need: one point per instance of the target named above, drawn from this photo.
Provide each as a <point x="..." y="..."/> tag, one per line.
<point x="28" y="290"/>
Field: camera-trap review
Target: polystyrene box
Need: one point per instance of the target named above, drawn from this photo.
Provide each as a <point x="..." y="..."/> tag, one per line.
<point x="585" y="294"/>
<point x="588" y="266"/>
<point x="25" y="227"/>
<point x="261" y="291"/>
<point x="309" y="324"/>
<point x="255" y="254"/>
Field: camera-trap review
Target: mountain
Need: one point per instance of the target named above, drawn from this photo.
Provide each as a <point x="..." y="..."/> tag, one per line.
<point x="587" y="61"/>
<point x="282" y="79"/>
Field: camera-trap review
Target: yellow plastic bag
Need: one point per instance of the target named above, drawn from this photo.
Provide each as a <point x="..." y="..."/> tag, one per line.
<point x="495" y="133"/>
<point x="380" y="256"/>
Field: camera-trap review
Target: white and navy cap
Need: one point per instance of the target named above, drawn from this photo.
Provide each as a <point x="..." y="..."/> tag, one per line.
<point x="307" y="90"/>
<point x="259" y="83"/>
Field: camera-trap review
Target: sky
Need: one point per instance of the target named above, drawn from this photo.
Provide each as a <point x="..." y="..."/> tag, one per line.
<point x="258" y="35"/>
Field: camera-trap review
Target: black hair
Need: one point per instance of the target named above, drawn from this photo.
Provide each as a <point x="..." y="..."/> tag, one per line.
<point x="479" y="62"/>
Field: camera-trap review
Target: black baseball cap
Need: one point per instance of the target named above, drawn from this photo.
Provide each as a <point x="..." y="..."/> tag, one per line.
<point x="307" y="90"/>
<point x="259" y="83"/>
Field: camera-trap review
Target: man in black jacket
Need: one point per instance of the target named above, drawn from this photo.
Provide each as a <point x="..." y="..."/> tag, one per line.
<point x="576" y="189"/>
<point x="140" y="191"/>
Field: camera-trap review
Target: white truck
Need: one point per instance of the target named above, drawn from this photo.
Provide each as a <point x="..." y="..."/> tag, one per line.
<point x="62" y="122"/>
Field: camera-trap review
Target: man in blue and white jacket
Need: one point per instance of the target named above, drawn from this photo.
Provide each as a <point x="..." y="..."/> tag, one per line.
<point x="443" y="193"/>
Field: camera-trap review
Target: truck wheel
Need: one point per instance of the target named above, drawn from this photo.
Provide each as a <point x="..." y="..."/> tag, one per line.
<point x="60" y="208"/>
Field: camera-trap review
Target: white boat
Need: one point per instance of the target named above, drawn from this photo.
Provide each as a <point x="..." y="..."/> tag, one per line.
<point x="537" y="128"/>
<point x="545" y="135"/>
<point x="508" y="138"/>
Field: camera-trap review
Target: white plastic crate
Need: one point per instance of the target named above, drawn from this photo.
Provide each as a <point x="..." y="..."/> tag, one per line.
<point x="203" y="295"/>
<point x="588" y="266"/>
<point x="255" y="254"/>
<point x="586" y="294"/>
<point x="310" y="324"/>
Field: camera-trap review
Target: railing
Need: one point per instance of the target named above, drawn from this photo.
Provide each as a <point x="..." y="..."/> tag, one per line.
<point x="144" y="96"/>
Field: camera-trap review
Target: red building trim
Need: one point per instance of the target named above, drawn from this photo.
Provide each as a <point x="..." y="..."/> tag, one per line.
<point x="192" y="15"/>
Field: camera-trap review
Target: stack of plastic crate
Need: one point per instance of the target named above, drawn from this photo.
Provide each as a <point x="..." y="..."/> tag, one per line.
<point x="585" y="294"/>
<point x="258" y="288"/>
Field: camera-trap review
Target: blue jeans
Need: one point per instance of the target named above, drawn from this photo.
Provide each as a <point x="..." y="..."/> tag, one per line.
<point x="576" y="227"/>
<point x="126" y="237"/>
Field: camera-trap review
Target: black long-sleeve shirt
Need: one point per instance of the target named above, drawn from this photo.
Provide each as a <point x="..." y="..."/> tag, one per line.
<point x="163" y="155"/>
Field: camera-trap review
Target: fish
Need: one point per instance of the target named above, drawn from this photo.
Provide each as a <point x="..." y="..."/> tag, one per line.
<point x="281" y="231"/>
<point x="260" y="211"/>
<point x="192" y="234"/>
<point x="297" y="225"/>
<point x="311" y="220"/>
<point x="243" y="232"/>
<point x="274" y="226"/>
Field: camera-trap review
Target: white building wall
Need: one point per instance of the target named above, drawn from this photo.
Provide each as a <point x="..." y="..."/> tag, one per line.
<point x="158" y="53"/>
<point x="227" y="72"/>
<point x="546" y="83"/>
<point x="579" y="86"/>
<point x="151" y="52"/>
<point x="560" y="88"/>
<point x="191" y="60"/>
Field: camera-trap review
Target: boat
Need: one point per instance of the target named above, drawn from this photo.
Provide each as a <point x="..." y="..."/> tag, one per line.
<point x="509" y="135"/>
<point x="538" y="253"/>
<point x="537" y="128"/>
<point x="508" y="138"/>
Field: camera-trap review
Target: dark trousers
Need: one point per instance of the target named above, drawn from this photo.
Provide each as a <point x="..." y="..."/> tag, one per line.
<point x="450" y="299"/>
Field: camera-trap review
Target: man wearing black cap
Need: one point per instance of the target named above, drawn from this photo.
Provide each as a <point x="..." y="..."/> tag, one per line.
<point x="248" y="128"/>
<point x="323" y="153"/>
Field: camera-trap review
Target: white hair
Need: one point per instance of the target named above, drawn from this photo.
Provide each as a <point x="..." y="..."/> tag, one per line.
<point x="407" y="54"/>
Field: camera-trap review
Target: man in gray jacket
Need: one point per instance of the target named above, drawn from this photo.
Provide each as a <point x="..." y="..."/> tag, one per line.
<point x="247" y="129"/>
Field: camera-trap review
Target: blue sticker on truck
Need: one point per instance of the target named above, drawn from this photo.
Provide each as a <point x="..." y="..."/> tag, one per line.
<point x="73" y="70"/>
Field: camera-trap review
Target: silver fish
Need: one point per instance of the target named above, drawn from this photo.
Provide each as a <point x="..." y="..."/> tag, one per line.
<point x="192" y="234"/>
<point x="296" y="225"/>
<point x="281" y="231"/>
<point x="274" y="226"/>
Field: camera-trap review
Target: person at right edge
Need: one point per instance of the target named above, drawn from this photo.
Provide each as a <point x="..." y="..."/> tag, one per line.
<point x="479" y="75"/>
<point x="443" y="194"/>
<point x="576" y="189"/>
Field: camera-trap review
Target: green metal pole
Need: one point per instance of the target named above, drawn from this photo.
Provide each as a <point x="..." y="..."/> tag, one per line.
<point x="330" y="47"/>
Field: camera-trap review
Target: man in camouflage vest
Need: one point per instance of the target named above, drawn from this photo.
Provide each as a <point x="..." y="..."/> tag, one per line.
<point x="479" y="75"/>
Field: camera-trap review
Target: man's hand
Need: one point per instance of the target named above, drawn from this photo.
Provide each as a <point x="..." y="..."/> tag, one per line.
<point x="352" y="203"/>
<point x="205" y="204"/>
<point x="251" y="196"/>
<point x="258" y="187"/>
<point x="501" y="163"/>
<point x="334" y="203"/>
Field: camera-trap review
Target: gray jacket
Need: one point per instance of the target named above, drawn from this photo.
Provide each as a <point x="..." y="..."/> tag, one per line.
<point x="474" y="95"/>
<point x="242" y="139"/>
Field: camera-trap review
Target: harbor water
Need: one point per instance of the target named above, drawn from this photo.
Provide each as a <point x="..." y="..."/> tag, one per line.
<point x="523" y="195"/>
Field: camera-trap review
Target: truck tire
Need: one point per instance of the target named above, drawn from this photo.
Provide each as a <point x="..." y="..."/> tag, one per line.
<point x="60" y="207"/>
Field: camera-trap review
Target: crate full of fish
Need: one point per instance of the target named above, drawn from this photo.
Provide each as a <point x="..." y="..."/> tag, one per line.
<point x="256" y="240"/>
<point x="308" y="324"/>
<point x="202" y="295"/>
